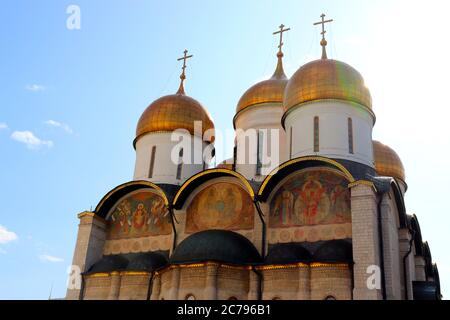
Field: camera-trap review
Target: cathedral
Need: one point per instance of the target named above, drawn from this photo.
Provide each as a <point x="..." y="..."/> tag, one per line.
<point x="326" y="221"/>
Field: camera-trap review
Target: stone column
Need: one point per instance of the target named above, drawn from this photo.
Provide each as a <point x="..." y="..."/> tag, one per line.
<point x="365" y="240"/>
<point x="175" y="283"/>
<point x="405" y="239"/>
<point x="156" y="287"/>
<point x="253" y="286"/>
<point x="114" y="290"/>
<point x="304" y="283"/>
<point x="88" y="249"/>
<point x="390" y="249"/>
<point x="210" y="292"/>
<point x="420" y="268"/>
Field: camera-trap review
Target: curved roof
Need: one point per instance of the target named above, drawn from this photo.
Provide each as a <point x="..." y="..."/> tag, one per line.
<point x="326" y="79"/>
<point x="287" y="253"/>
<point x="387" y="161"/>
<point x="334" y="251"/>
<point x="149" y="262"/>
<point x="216" y="245"/>
<point x="109" y="264"/>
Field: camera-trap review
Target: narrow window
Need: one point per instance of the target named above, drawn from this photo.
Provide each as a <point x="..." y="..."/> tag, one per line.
<point x="290" y="143"/>
<point x="180" y="165"/>
<point x="152" y="162"/>
<point x="316" y="134"/>
<point x="350" y="135"/>
<point x="259" y="153"/>
<point x="234" y="158"/>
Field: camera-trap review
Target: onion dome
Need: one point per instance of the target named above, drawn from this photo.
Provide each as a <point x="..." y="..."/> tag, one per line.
<point x="267" y="91"/>
<point x="387" y="162"/>
<point x="326" y="79"/>
<point x="172" y="112"/>
<point x="218" y="246"/>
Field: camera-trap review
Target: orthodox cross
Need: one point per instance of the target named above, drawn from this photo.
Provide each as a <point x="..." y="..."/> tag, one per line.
<point x="183" y="73"/>
<point x="323" y="43"/>
<point x="280" y="32"/>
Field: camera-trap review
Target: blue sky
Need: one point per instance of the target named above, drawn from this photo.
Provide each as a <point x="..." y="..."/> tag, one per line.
<point x="75" y="97"/>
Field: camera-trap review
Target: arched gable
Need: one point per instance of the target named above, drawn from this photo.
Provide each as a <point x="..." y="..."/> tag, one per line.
<point x="277" y="175"/>
<point x="192" y="183"/>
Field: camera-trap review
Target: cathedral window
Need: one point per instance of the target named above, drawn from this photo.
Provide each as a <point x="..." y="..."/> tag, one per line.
<point x="316" y="134"/>
<point x="152" y="162"/>
<point x="290" y="143"/>
<point x="259" y="152"/>
<point x="180" y="165"/>
<point x="350" y="135"/>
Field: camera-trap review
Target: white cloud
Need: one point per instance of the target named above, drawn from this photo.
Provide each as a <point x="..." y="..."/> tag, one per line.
<point x="35" y="87"/>
<point x="30" y="140"/>
<point x="57" y="124"/>
<point x="49" y="258"/>
<point x="3" y="125"/>
<point x="6" y="235"/>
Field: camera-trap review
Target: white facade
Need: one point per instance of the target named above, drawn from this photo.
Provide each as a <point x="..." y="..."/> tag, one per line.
<point x="165" y="167"/>
<point x="333" y="123"/>
<point x="261" y="118"/>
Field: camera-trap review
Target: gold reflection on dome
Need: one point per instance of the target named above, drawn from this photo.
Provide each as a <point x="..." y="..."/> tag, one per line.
<point x="387" y="161"/>
<point x="173" y="112"/>
<point x="326" y="79"/>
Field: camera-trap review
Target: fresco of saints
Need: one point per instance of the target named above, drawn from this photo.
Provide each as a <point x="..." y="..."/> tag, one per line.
<point x="139" y="218"/>
<point x="284" y="208"/>
<point x="121" y="218"/>
<point x="158" y="222"/>
<point x="312" y="205"/>
<point x="340" y="203"/>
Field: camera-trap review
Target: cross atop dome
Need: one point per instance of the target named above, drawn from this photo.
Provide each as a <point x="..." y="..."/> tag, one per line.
<point x="279" y="72"/>
<point x="280" y="32"/>
<point x="323" y="42"/>
<point x="183" y="73"/>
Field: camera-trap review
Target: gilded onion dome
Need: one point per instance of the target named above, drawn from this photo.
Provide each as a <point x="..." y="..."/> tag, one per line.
<point x="270" y="90"/>
<point x="267" y="91"/>
<point x="172" y="112"/>
<point x="326" y="79"/>
<point x="387" y="161"/>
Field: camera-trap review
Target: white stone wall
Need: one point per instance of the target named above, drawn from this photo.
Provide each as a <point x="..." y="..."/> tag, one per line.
<point x="264" y="116"/>
<point x="333" y="131"/>
<point x="164" y="169"/>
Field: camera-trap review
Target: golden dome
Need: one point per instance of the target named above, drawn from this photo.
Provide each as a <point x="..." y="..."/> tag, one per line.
<point x="326" y="79"/>
<point x="387" y="162"/>
<point x="267" y="91"/>
<point x="172" y="112"/>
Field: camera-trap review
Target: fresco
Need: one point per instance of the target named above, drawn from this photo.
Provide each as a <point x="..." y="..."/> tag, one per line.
<point x="139" y="215"/>
<point x="223" y="206"/>
<point x="314" y="197"/>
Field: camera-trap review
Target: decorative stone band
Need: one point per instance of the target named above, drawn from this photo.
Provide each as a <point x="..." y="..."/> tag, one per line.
<point x="117" y="273"/>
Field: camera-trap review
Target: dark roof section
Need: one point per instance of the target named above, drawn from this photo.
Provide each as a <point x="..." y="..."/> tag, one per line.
<point x="335" y="251"/>
<point x="216" y="245"/>
<point x="169" y="189"/>
<point x="109" y="264"/>
<point x="358" y="170"/>
<point x="287" y="253"/>
<point x="149" y="262"/>
<point x="426" y="290"/>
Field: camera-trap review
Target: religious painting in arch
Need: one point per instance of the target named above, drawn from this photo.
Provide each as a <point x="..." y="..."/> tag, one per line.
<point x="311" y="197"/>
<point x="138" y="215"/>
<point x="223" y="205"/>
